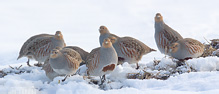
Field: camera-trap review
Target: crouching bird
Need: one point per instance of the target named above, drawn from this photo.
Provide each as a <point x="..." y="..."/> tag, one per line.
<point x="185" y="49"/>
<point x="62" y="61"/>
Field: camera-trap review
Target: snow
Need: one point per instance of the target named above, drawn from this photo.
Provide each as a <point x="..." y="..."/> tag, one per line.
<point x="203" y="64"/>
<point x="79" y="22"/>
<point x="34" y="81"/>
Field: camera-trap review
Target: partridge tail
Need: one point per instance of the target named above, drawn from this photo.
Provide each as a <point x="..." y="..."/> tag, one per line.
<point x="19" y="56"/>
<point x="152" y="50"/>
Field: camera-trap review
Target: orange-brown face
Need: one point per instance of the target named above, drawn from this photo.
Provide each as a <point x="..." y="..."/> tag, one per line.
<point x="58" y="35"/>
<point x="54" y="53"/>
<point x="107" y="43"/>
<point x="158" y="17"/>
<point x="113" y="39"/>
<point x="174" y="47"/>
<point x="103" y="30"/>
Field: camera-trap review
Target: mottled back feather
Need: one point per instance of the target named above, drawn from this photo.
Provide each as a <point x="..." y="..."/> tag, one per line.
<point x="133" y="48"/>
<point x="93" y="60"/>
<point x="73" y="57"/>
<point x="91" y="55"/>
<point x="82" y="52"/>
<point x="36" y="44"/>
<point x="25" y="45"/>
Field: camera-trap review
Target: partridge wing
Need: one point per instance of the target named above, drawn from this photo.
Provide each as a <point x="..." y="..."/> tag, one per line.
<point x="130" y="47"/>
<point x="73" y="58"/>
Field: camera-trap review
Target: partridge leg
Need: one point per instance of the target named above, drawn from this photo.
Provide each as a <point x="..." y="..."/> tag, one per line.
<point x="120" y="60"/>
<point x="77" y="72"/>
<point x="39" y="64"/>
<point x="165" y="51"/>
<point x="28" y="62"/>
<point x="65" y="78"/>
<point x="137" y="66"/>
<point x="103" y="78"/>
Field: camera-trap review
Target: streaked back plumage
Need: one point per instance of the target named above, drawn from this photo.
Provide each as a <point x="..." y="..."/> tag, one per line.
<point x="130" y="49"/>
<point x="39" y="47"/>
<point x="23" y="50"/>
<point x="164" y="35"/>
<point x="82" y="52"/>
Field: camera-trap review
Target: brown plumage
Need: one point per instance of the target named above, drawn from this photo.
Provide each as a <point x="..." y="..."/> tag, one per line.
<point x="39" y="47"/>
<point x="102" y="60"/>
<point x="82" y="53"/>
<point x="129" y="49"/>
<point x="62" y="61"/>
<point x="164" y="35"/>
<point x="186" y="48"/>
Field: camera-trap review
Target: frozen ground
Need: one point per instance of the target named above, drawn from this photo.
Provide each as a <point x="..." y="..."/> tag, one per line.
<point x="33" y="80"/>
<point x="79" y="22"/>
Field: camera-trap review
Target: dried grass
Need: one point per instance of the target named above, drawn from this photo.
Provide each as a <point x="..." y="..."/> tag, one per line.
<point x="210" y="48"/>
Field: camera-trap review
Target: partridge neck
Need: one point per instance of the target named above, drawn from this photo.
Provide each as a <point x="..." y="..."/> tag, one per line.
<point x="159" y="25"/>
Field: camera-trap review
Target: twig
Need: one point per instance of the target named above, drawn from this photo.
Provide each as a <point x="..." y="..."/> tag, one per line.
<point x="207" y="40"/>
<point x="18" y="67"/>
<point x="11" y="67"/>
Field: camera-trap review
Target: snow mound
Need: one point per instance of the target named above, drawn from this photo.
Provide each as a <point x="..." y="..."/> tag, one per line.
<point x="204" y="64"/>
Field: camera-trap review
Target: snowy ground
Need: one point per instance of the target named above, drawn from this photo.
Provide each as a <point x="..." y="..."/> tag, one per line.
<point x="34" y="80"/>
<point x="79" y="22"/>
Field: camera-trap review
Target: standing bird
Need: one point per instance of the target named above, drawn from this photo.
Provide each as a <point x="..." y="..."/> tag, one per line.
<point x="82" y="53"/>
<point x="186" y="49"/>
<point x="129" y="49"/>
<point x="164" y="35"/>
<point x="39" y="47"/>
<point x="104" y="33"/>
<point x="64" y="61"/>
<point x="102" y="60"/>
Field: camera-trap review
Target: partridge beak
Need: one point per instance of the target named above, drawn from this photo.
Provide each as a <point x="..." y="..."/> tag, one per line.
<point x="170" y="50"/>
<point x="106" y="42"/>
